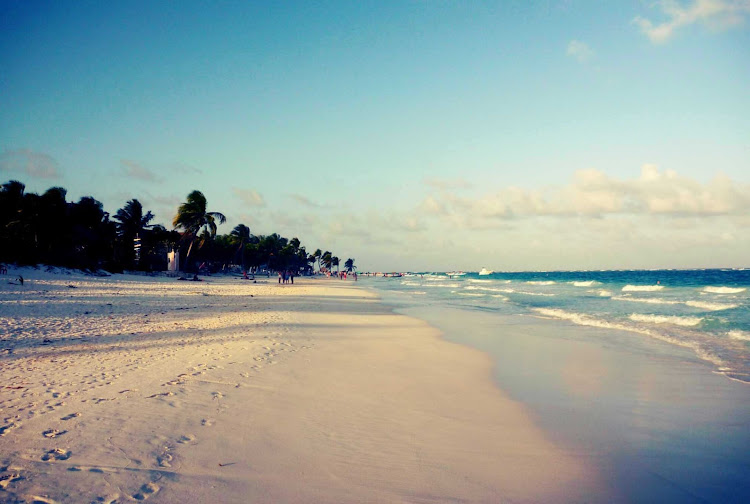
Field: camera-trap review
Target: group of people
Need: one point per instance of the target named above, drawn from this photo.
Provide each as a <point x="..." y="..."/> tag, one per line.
<point x="286" y="276"/>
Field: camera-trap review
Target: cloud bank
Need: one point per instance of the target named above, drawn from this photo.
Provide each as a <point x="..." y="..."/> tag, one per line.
<point x="594" y="194"/>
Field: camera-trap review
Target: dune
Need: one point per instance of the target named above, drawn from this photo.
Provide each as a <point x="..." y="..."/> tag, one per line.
<point x="130" y="388"/>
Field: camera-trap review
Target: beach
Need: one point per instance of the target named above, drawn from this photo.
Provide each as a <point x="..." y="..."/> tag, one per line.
<point x="131" y="388"/>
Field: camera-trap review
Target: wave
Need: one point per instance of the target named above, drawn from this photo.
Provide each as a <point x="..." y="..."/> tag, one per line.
<point x="642" y="288"/>
<point x="711" y="306"/>
<point x="703" y="305"/>
<point x="476" y="280"/>
<point x="724" y="290"/>
<point x="470" y="294"/>
<point x="586" y="320"/>
<point x="739" y="335"/>
<point x="587" y="283"/>
<point x="488" y="289"/>
<point x="666" y="319"/>
<point x="645" y="300"/>
<point x="604" y="293"/>
<point x="441" y="285"/>
<point x="541" y="282"/>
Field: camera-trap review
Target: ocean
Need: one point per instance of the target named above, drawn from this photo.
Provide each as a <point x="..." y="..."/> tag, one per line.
<point x="706" y="311"/>
<point x="645" y="375"/>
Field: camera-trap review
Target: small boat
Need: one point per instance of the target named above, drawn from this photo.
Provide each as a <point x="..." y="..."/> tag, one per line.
<point x="485" y="272"/>
<point x="455" y="273"/>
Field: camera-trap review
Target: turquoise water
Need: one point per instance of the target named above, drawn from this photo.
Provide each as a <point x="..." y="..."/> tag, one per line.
<point x="705" y="311"/>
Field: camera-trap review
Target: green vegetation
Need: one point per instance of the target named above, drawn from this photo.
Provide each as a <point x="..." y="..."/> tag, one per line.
<point x="47" y="229"/>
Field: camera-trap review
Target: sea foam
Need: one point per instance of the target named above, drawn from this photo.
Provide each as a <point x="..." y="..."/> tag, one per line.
<point x="588" y="283"/>
<point x="586" y="320"/>
<point x="645" y="300"/>
<point x="642" y="288"/>
<point x="739" y="335"/>
<point x="666" y="319"/>
<point x="724" y="290"/>
<point x="711" y="306"/>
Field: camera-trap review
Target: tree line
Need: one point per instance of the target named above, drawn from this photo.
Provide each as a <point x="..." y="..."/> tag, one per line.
<point x="47" y="229"/>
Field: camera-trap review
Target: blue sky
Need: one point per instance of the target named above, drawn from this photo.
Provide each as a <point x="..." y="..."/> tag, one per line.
<point x="408" y="135"/>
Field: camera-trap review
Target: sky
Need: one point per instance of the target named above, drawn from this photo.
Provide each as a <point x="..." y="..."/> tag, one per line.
<point x="409" y="135"/>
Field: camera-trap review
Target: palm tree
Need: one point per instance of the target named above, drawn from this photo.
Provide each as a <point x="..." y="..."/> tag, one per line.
<point x="326" y="259"/>
<point x="131" y="223"/>
<point x="317" y="255"/>
<point x="130" y="219"/>
<point x="335" y="262"/>
<point x="349" y="265"/>
<point x="192" y="217"/>
<point x="241" y="233"/>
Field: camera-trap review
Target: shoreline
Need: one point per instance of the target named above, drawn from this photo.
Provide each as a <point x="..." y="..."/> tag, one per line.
<point x="657" y="422"/>
<point x="132" y="388"/>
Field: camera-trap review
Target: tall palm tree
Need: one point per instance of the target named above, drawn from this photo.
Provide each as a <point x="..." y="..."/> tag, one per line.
<point x="241" y="233"/>
<point x="335" y="262"/>
<point x="130" y="219"/>
<point x="317" y="255"/>
<point x="192" y="217"/>
<point x="349" y="265"/>
<point x="326" y="259"/>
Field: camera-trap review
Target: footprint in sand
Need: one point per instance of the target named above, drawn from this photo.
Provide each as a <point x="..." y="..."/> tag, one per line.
<point x="57" y="454"/>
<point x="107" y="499"/>
<point x="165" y="459"/>
<point x="8" y="427"/>
<point x="147" y="491"/>
<point x="35" y="499"/>
<point x="186" y="439"/>
<point x="217" y="395"/>
<point x="207" y="422"/>
<point x="7" y="479"/>
<point x="52" y="433"/>
<point x="71" y="416"/>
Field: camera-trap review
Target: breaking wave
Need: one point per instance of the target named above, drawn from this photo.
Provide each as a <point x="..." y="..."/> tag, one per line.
<point x="724" y="290"/>
<point x="642" y="288"/>
<point x="666" y="319"/>
<point x="711" y="306"/>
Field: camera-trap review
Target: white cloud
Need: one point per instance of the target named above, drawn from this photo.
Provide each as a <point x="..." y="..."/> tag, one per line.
<point x="28" y="162"/>
<point x="580" y="51"/>
<point x="593" y="194"/>
<point x="135" y="170"/>
<point x="305" y="201"/>
<point x="250" y="197"/>
<point x="715" y="14"/>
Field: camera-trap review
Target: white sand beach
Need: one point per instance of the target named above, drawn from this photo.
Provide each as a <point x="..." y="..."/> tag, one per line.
<point x="132" y="388"/>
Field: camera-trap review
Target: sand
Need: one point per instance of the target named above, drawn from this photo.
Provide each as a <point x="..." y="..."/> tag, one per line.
<point x="132" y="388"/>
